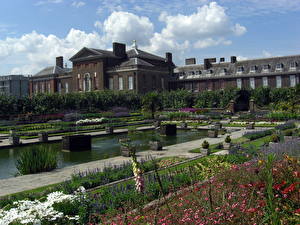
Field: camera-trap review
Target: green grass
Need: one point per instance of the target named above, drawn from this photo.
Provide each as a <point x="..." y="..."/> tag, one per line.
<point x="257" y="143"/>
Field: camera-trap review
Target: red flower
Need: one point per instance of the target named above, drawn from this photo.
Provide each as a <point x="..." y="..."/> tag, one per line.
<point x="290" y="188"/>
<point x="297" y="211"/>
<point x="251" y="210"/>
<point x="278" y="186"/>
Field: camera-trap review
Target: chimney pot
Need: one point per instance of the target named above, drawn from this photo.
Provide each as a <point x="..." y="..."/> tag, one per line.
<point x="169" y="57"/>
<point x="119" y="50"/>
<point x="60" y="61"/>
<point x="190" y="61"/>
<point x="233" y="59"/>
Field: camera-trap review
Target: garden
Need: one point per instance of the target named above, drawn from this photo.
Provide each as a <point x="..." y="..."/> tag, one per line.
<point x="253" y="179"/>
<point x="258" y="182"/>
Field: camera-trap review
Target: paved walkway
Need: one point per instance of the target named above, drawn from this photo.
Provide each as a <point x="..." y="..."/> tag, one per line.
<point x="28" y="182"/>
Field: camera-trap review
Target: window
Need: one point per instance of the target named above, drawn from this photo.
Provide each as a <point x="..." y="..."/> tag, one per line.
<point x="87" y="82"/>
<point x="265" y="81"/>
<point x="266" y="68"/>
<point x="293" y="66"/>
<point x="223" y="71"/>
<point x="67" y="87"/>
<point x="198" y="72"/>
<point x="279" y="66"/>
<point x="49" y="87"/>
<point x="59" y="87"/>
<point x="43" y="88"/>
<point x="253" y="69"/>
<point x="292" y="80"/>
<point x="239" y="83"/>
<point x="240" y="69"/>
<point x="130" y="82"/>
<point x="120" y="83"/>
<point x="278" y="82"/>
<point x="252" y="82"/>
<point x="111" y="83"/>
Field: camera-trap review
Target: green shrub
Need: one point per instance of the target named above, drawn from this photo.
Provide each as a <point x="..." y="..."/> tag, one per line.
<point x="227" y="139"/>
<point x="275" y="138"/>
<point x="36" y="159"/>
<point x="288" y="132"/>
<point x="205" y="144"/>
<point x="257" y="134"/>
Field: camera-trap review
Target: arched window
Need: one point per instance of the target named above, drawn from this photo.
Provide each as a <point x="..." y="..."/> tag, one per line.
<point x="87" y="82"/>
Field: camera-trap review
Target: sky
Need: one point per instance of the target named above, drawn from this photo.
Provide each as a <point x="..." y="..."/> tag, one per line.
<point x="34" y="32"/>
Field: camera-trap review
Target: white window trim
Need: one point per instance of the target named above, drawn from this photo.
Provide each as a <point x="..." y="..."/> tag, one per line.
<point x="239" y="83"/>
<point x="252" y="82"/>
<point x="121" y="83"/>
<point x="278" y="82"/>
<point x="265" y="81"/>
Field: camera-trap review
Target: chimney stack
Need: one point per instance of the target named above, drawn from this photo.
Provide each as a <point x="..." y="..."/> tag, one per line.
<point x="207" y="64"/>
<point x="60" y="61"/>
<point x="222" y="60"/>
<point x="119" y="50"/>
<point x="169" y="57"/>
<point x="190" y="61"/>
<point x="233" y="59"/>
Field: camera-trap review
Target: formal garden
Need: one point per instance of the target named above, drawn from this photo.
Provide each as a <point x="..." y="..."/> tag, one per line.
<point x="251" y="179"/>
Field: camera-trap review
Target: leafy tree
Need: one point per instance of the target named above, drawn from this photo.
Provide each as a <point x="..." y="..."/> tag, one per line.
<point x="151" y="103"/>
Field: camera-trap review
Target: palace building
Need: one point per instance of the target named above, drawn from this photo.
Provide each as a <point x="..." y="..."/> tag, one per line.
<point x="274" y="72"/>
<point x="96" y="69"/>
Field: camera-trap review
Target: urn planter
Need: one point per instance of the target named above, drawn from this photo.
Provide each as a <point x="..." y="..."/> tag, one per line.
<point x="217" y="126"/>
<point x="14" y="140"/>
<point x="205" y="151"/>
<point x="155" y="145"/>
<point x="157" y="123"/>
<point x="109" y="130"/>
<point x="226" y="146"/>
<point x="183" y="125"/>
<point x="250" y="126"/>
<point x="43" y="137"/>
<point x="212" y="133"/>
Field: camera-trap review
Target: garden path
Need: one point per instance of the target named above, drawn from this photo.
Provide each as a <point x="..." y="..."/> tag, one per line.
<point x="28" y="182"/>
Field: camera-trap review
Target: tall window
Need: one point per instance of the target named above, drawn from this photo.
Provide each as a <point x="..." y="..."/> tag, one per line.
<point x="111" y="83"/>
<point x="43" y="87"/>
<point x="253" y="69"/>
<point x="265" y="82"/>
<point x="59" y="87"/>
<point x="239" y="83"/>
<point x="252" y="82"/>
<point x="49" y="87"/>
<point x="130" y="82"/>
<point x="278" y="82"/>
<point x="67" y="87"/>
<point x="87" y="82"/>
<point x="121" y="83"/>
<point x="292" y="80"/>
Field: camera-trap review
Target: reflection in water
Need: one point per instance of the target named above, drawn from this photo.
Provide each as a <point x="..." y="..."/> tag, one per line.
<point x="102" y="148"/>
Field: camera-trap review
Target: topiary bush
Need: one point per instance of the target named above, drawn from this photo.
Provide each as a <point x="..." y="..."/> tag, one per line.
<point x="227" y="139"/>
<point x="36" y="159"/>
<point x="205" y="144"/>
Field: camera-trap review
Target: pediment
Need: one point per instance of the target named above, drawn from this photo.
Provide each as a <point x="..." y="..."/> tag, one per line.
<point x="84" y="53"/>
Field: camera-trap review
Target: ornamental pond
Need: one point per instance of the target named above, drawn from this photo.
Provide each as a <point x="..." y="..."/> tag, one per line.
<point x="102" y="147"/>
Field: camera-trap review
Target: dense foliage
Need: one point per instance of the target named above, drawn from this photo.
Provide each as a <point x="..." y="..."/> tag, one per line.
<point x="105" y="100"/>
<point x="36" y="159"/>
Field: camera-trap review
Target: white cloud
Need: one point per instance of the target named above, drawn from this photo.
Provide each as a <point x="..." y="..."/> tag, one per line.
<point x="266" y="54"/>
<point x="78" y="4"/>
<point x="48" y="2"/>
<point x="33" y="51"/>
<point x="209" y="42"/>
<point x="126" y="27"/>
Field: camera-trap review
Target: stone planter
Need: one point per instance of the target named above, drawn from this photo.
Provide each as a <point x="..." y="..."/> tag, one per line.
<point x="156" y="123"/>
<point x="168" y="129"/>
<point x="14" y="140"/>
<point x="250" y="126"/>
<point x="227" y="146"/>
<point x="212" y="133"/>
<point x="77" y="143"/>
<point x="183" y="125"/>
<point x="217" y="126"/>
<point x="155" y="145"/>
<point x="109" y="130"/>
<point x="205" y="151"/>
<point x="43" y="137"/>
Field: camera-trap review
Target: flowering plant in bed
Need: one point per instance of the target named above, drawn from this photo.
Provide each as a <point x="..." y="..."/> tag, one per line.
<point x="91" y="121"/>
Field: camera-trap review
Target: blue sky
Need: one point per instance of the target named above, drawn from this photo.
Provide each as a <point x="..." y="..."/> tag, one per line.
<point x="34" y="32"/>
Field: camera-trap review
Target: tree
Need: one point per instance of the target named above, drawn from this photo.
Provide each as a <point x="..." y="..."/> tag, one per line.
<point x="151" y="102"/>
